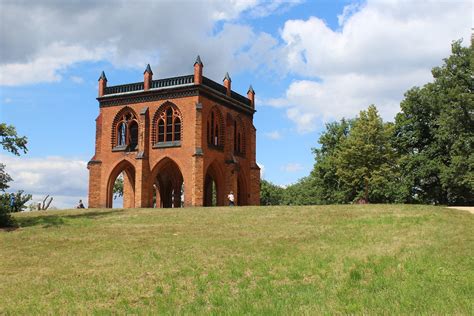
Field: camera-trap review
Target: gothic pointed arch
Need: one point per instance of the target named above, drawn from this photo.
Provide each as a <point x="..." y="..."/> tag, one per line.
<point x="214" y="180"/>
<point x="167" y="125"/>
<point x="125" y="130"/>
<point x="215" y="128"/>
<point x="127" y="168"/>
<point x="168" y="184"/>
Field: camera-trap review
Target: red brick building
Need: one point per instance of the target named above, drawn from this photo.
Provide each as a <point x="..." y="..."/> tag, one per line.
<point x="177" y="141"/>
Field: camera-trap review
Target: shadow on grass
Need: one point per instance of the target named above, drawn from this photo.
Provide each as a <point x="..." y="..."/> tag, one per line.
<point x="52" y="220"/>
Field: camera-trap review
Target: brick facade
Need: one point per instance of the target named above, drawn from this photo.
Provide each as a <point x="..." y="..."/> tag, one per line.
<point x="174" y="140"/>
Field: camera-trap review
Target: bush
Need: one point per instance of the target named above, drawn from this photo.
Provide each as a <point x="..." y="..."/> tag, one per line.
<point x="11" y="203"/>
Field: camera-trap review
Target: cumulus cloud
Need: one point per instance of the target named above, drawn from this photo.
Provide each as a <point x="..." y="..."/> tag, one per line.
<point x="47" y="64"/>
<point x="382" y="49"/>
<point x="66" y="180"/>
<point x="52" y="35"/>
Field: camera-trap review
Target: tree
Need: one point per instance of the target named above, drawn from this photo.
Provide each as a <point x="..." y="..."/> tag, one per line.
<point x="14" y="144"/>
<point x="15" y="202"/>
<point x="118" y="186"/>
<point x="10" y="141"/>
<point x="327" y="185"/>
<point x="303" y="192"/>
<point x="270" y="194"/>
<point x="365" y="160"/>
<point x="4" y="178"/>
<point x="434" y="133"/>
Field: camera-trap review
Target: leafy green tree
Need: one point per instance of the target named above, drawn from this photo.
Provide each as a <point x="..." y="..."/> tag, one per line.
<point x="434" y="133"/>
<point x="270" y="194"/>
<point x="15" y="202"/>
<point x="118" y="186"/>
<point x="10" y="142"/>
<point x="4" y="178"/>
<point x="303" y="192"/>
<point x="365" y="160"/>
<point x="327" y="185"/>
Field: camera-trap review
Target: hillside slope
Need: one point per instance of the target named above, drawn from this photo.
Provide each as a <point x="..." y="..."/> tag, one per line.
<point x="317" y="259"/>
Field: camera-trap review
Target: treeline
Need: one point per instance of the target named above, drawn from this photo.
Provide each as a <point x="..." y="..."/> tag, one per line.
<point x="425" y="156"/>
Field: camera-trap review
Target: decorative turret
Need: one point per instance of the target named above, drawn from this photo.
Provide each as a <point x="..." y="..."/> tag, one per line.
<point x="198" y="65"/>
<point x="251" y="97"/>
<point x="227" y="83"/>
<point x="147" y="78"/>
<point x="102" y="84"/>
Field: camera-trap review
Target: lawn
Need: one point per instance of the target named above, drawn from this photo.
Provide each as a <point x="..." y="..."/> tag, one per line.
<point x="371" y="259"/>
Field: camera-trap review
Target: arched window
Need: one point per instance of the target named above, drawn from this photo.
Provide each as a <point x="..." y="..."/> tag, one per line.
<point x="168" y="126"/>
<point x="125" y="132"/>
<point x="215" y="135"/>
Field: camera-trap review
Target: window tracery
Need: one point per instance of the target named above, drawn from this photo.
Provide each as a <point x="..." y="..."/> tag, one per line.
<point x="125" y="131"/>
<point x="167" y="126"/>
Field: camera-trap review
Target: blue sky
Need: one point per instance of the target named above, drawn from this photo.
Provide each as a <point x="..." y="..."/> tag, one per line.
<point x="310" y="62"/>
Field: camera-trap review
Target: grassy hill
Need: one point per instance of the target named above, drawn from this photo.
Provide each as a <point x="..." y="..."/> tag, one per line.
<point x="260" y="260"/>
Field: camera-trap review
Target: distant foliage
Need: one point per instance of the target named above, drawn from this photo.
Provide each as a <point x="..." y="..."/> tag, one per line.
<point x="270" y="194"/>
<point x="15" y="202"/>
<point x="434" y="133"/>
<point x="14" y="144"/>
<point x="4" y="178"/>
<point x="365" y="161"/>
<point x="425" y="156"/>
<point x="118" y="186"/>
<point x="10" y="141"/>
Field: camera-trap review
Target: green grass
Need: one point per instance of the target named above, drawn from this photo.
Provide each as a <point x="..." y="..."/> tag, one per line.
<point x="371" y="259"/>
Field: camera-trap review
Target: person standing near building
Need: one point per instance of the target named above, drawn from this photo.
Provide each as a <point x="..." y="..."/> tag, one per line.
<point x="231" y="198"/>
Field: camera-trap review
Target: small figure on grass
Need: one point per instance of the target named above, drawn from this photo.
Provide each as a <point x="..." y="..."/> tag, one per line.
<point x="231" y="198"/>
<point x="80" y="204"/>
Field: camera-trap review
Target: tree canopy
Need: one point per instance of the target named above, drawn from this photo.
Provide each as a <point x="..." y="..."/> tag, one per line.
<point x="10" y="141"/>
<point x="425" y="156"/>
<point x="14" y="144"/>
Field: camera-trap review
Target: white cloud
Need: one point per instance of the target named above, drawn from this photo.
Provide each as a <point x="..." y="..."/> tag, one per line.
<point x="273" y="135"/>
<point x="47" y="65"/>
<point x="66" y="180"/>
<point x="381" y="50"/>
<point x="54" y="35"/>
<point x="292" y="167"/>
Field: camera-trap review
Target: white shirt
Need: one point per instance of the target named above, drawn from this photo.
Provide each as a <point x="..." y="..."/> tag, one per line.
<point x="231" y="197"/>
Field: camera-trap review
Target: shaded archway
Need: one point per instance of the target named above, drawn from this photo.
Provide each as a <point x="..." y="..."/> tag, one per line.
<point x="242" y="190"/>
<point x="213" y="186"/>
<point x="210" y="191"/>
<point x="168" y="184"/>
<point x="128" y="171"/>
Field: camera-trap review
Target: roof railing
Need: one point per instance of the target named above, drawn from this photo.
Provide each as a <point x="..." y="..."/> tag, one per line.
<point x="174" y="81"/>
